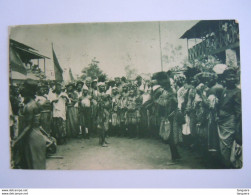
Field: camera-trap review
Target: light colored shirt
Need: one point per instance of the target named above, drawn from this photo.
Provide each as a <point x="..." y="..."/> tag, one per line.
<point x="40" y="99"/>
<point x="85" y="102"/>
<point x="181" y="93"/>
<point x="146" y="96"/>
<point x="59" y="107"/>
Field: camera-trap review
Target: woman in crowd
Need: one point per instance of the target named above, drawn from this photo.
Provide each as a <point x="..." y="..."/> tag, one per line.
<point x="167" y="102"/>
<point x="72" y="116"/>
<point x="59" y="100"/>
<point x="45" y="106"/>
<point x="229" y="123"/>
<point x="30" y="140"/>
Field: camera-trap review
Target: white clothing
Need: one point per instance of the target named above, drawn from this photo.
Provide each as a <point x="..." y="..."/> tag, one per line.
<point x="181" y="93"/>
<point x="59" y="107"/>
<point x="85" y="102"/>
<point x="41" y="99"/>
<point x="146" y="97"/>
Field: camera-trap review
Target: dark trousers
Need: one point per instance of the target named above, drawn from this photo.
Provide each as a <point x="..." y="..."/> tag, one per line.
<point x="174" y="151"/>
<point x="173" y="147"/>
<point x="101" y="132"/>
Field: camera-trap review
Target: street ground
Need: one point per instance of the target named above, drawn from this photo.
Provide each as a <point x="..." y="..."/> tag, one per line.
<point x="122" y="153"/>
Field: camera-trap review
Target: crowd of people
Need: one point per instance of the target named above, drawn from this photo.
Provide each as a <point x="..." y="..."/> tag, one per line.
<point x="190" y="109"/>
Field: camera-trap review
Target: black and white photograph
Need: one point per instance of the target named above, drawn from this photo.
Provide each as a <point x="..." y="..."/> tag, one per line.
<point x="125" y="95"/>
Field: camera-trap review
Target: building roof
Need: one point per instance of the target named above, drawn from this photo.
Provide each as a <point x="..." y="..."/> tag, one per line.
<point x="26" y="52"/>
<point x="200" y="29"/>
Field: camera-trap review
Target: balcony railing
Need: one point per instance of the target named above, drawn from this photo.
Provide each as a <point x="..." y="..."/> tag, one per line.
<point x="215" y="42"/>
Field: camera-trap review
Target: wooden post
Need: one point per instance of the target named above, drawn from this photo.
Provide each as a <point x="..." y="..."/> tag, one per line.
<point x="44" y="68"/>
<point x="160" y="48"/>
<point x="188" y="50"/>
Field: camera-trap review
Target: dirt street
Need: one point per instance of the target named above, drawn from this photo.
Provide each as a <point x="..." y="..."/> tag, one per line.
<point x="121" y="153"/>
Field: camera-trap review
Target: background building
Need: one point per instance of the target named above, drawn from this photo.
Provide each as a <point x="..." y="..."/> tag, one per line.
<point x="25" y="62"/>
<point x="219" y="38"/>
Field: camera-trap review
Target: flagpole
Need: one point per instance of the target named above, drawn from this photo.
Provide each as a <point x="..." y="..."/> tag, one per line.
<point x="160" y="49"/>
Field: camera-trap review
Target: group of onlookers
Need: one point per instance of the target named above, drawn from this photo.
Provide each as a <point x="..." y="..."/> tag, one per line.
<point x="192" y="108"/>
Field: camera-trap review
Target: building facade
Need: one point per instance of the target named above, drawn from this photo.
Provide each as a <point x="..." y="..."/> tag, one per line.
<point x="218" y="38"/>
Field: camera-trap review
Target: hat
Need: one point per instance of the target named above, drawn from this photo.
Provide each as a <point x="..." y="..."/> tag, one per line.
<point x="111" y="81"/>
<point x="70" y="84"/>
<point x="138" y="77"/>
<point x="102" y="78"/>
<point x="29" y="89"/>
<point x="85" y="88"/>
<point x="39" y="85"/>
<point x="101" y="84"/>
<point x="229" y="71"/>
<point x="14" y="85"/>
<point x="80" y="82"/>
<point x="219" y="68"/>
<point x="191" y="72"/>
<point x="205" y="76"/>
<point x="155" y="87"/>
<point x="88" y="79"/>
<point x="160" y="76"/>
<point x="179" y="77"/>
<point x="123" y="78"/>
<point x="124" y="85"/>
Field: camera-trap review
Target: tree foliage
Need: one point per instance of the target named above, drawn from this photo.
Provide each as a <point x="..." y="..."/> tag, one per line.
<point x="92" y="70"/>
<point x="131" y="72"/>
<point x="204" y="64"/>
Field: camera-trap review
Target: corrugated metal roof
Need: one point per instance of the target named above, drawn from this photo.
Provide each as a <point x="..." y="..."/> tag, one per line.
<point x="200" y="29"/>
<point x="26" y="52"/>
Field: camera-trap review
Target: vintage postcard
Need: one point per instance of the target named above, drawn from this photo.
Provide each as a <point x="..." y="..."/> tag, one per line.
<point x="125" y="96"/>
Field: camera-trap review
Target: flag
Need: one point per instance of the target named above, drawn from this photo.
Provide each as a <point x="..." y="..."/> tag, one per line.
<point x="57" y="68"/>
<point x="16" y="63"/>
<point x="71" y="75"/>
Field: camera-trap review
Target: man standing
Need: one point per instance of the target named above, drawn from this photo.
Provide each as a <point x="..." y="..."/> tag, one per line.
<point x="85" y="112"/>
<point x="102" y="113"/>
<point x="167" y="103"/>
<point x="122" y="109"/>
<point x="59" y="99"/>
<point x="131" y="114"/>
<point x="115" y="120"/>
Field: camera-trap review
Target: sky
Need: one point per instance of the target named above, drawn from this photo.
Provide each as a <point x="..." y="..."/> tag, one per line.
<point x="114" y="45"/>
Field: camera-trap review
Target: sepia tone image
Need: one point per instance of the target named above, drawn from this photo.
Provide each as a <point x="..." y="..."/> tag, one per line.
<point x="125" y="96"/>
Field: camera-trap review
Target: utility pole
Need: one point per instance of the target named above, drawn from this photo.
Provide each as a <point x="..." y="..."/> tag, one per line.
<point x="160" y="49"/>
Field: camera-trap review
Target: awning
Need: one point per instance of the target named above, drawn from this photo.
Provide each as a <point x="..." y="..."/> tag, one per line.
<point x="202" y="28"/>
<point x="27" y="55"/>
<point x="25" y="52"/>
